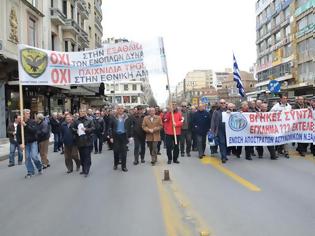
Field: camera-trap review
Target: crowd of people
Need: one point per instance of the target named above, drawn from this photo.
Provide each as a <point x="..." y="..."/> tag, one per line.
<point x="181" y="131"/>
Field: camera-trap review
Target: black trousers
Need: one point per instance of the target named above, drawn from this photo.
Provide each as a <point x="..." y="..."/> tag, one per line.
<point x="248" y="151"/>
<point x="139" y="148"/>
<point x="271" y="149"/>
<point x="85" y="158"/>
<point x="302" y="147"/>
<point x="120" y="149"/>
<point x="185" y="138"/>
<point x="201" y="144"/>
<point x="172" y="150"/>
<point x="98" y="142"/>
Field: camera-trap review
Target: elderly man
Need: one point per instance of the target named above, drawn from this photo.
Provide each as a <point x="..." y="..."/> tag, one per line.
<point x="30" y="146"/>
<point x="119" y="132"/>
<point x="218" y="129"/>
<point x="56" y="130"/>
<point x="71" y="152"/>
<point x="248" y="149"/>
<point x="185" y="137"/>
<point x="172" y="126"/>
<point x="14" y="145"/>
<point x="300" y="104"/>
<point x="283" y="105"/>
<point x="99" y="132"/>
<point x="84" y="129"/>
<point x="152" y="124"/>
<point x="43" y="134"/>
<point x="138" y="134"/>
<point x="271" y="149"/>
<point x="201" y="125"/>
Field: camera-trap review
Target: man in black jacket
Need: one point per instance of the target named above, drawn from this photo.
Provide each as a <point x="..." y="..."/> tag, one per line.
<point x="12" y="129"/>
<point x="119" y="132"/>
<point x="138" y="135"/>
<point x="56" y="130"/>
<point x="84" y="129"/>
<point x="43" y="134"/>
<point x="106" y="120"/>
<point x="31" y="146"/>
<point x="99" y="132"/>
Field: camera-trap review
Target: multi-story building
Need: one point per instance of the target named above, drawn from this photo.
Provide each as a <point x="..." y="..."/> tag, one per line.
<point x="230" y="92"/>
<point x="62" y="25"/>
<point x="285" y="45"/>
<point x="198" y="79"/>
<point x="221" y="76"/>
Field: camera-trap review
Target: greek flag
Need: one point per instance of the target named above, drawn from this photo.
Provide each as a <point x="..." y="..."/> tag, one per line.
<point x="237" y="78"/>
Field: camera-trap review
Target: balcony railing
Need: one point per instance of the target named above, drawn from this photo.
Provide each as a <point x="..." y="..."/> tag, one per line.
<point x="83" y="9"/>
<point x="98" y="8"/>
<point x="57" y="16"/>
<point x="98" y="25"/>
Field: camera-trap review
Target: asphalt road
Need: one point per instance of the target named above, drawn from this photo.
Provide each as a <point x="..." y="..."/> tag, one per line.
<point x="259" y="197"/>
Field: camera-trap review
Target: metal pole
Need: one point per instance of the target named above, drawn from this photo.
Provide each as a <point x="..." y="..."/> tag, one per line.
<point x="22" y="119"/>
<point x="169" y="93"/>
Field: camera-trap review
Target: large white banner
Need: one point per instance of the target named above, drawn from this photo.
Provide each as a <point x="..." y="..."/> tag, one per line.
<point x="269" y="128"/>
<point x="113" y="62"/>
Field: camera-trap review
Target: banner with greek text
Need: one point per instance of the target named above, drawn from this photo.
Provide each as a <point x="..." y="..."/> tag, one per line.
<point x="113" y="62"/>
<point x="269" y="128"/>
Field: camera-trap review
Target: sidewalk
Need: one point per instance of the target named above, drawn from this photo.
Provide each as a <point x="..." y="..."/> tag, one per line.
<point x="5" y="147"/>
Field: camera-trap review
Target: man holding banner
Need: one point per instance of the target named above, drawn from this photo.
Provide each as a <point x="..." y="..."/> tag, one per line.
<point x="283" y="105"/>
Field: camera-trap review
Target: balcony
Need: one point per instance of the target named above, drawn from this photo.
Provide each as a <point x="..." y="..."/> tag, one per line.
<point x="306" y="30"/>
<point x="83" y="9"/>
<point x="57" y="17"/>
<point x="305" y="7"/>
<point x="98" y="24"/>
<point x="83" y="39"/>
<point x="98" y="8"/>
<point x="72" y="26"/>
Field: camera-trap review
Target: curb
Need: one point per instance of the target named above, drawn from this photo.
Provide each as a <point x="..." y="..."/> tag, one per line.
<point x="5" y="157"/>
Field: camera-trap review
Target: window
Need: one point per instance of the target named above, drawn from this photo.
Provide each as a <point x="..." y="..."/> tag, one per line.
<point x="269" y="42"/>
<point x="278" y="36"/>
<point x="51" y="3"/>
<point x="52" y="42"/>
<point x="287" y="13"/>
<point x="268" y="11"/>
<point x="287" y="50"/>
<point x="134" y="99"/>
<point x="66" y="46"/>
<point x="305" y="45"/>
<point x="118" y="99"/>
<point x="301" y="2"/>
<point x="307" y="20"/>
<point x="32" y="32"/>
<point x="134" y="87"/>
<point x="89" y="5"/>
<point x="278" y="19"/>
<point x="126" y="87"/>
<point x="90" y="31"/>
<point x="78" y="18"/>
<point x="64" y="7"/>
<point x="306" y="70"/>
<point x="72" y="12"/>
<point x="287" y="31"/>
<point x="269" y="27"/>
<point x="126" y="99"/>
<point x="72" y="47"/>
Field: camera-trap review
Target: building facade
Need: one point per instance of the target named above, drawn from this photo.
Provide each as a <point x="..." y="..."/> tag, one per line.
<point x="62" y="25"/>
<point x="221" y="76"/>
<point x="230" y="92"/>
<point x="285" y="45"/>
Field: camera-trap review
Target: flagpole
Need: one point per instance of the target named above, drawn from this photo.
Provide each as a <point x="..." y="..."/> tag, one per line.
<point x="169" y="92"/>
<point x="22" y="118"/>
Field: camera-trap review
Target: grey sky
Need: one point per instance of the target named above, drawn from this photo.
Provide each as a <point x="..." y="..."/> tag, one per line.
<point x="198" y="34"/>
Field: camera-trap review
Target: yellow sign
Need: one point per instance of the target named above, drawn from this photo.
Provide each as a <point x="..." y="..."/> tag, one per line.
<point x="34" y="61"/>
<point x="195" y="101"/>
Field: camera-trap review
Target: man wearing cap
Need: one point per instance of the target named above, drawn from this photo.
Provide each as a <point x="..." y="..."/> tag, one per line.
<point x="185" y="137"/>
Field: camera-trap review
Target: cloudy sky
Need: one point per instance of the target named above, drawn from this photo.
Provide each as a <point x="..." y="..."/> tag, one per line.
<point x="198" y="34"/>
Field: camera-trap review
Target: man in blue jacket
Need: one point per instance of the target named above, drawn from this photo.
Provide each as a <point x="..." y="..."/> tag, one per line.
<point x="201" y="125"/>
<point x="71" y="149"/>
